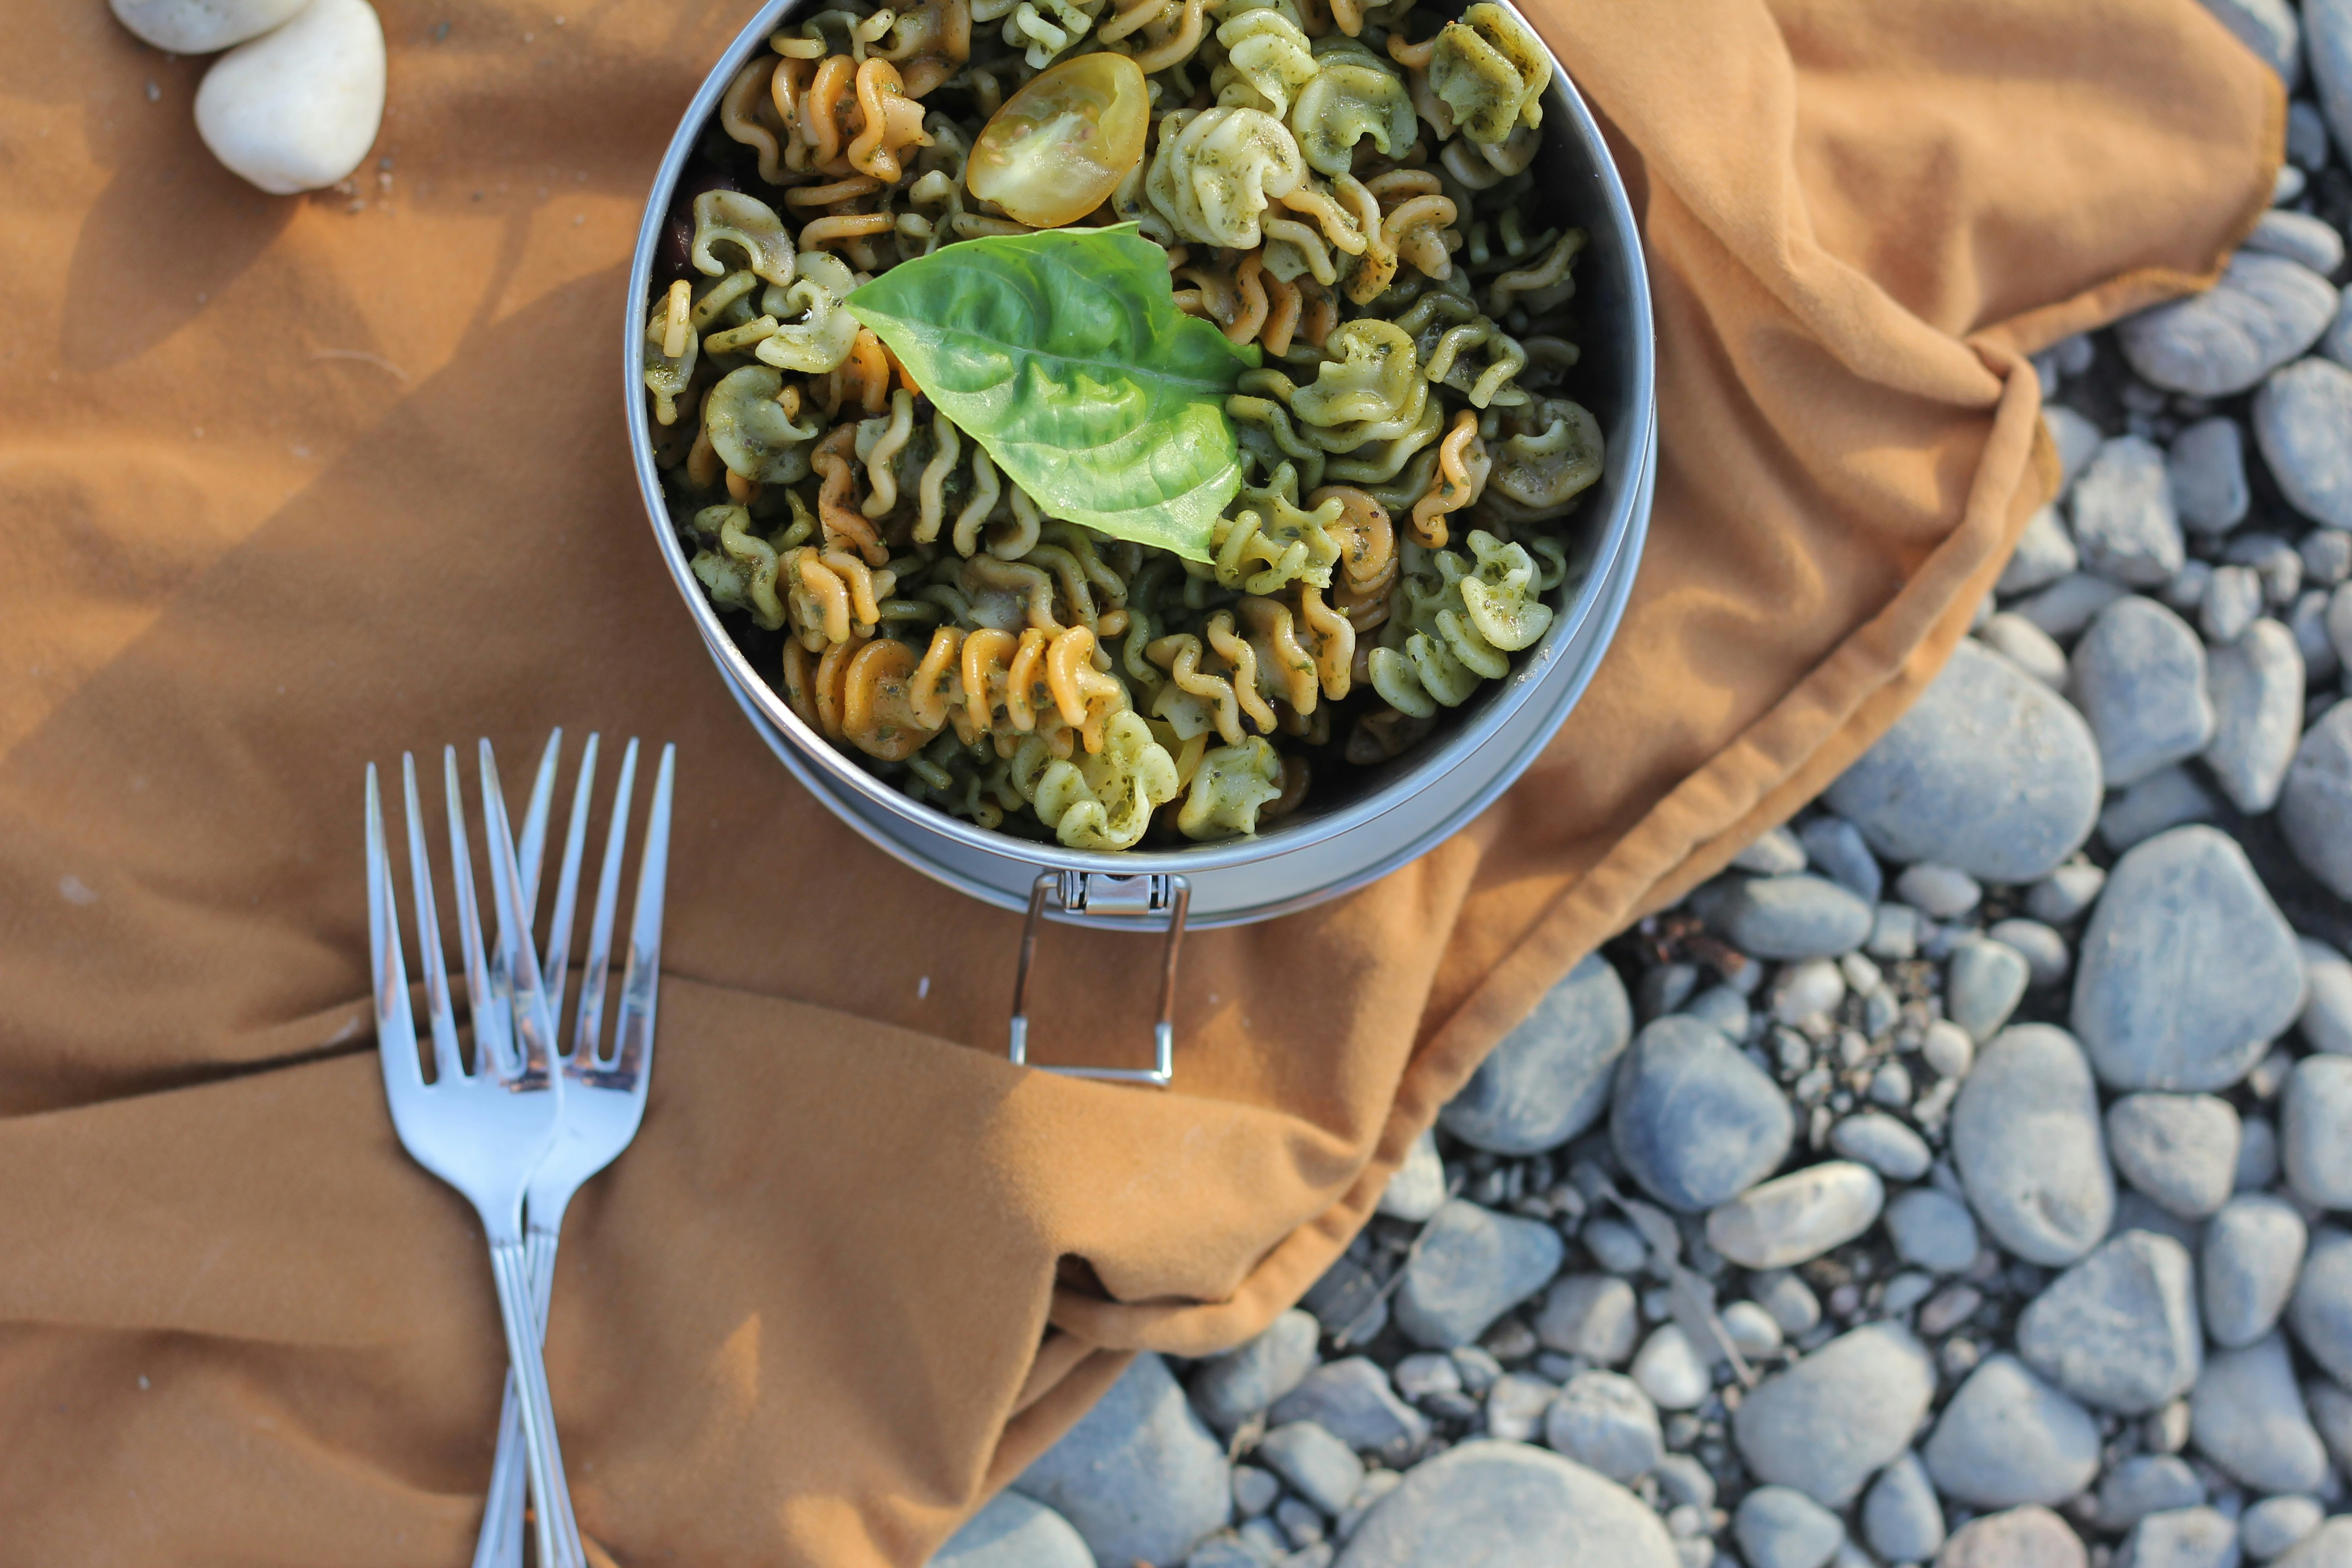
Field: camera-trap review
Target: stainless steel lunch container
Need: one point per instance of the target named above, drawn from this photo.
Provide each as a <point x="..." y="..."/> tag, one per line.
<point x="1379" y="821"/>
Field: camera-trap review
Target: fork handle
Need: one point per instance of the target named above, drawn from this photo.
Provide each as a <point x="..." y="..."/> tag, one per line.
<point x="558" y="1531"/>
<point x="499" y="1544"/>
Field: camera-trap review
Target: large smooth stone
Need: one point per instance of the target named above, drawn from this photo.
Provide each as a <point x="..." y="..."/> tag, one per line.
<point x="1693" y="1119"/>
<point x="2119" y="1329"/>
<point x="1795" y="1218"/>
<point x="2125" y="526"/>
<point x="2263" y="313"/>
<point x="2182" y="1538"/>
<point x="1015" y="1531"/>
<point x="2140" y="678"/>
<point x="1991" y="772"/>
<point x="2188" y="970"/>
<point x="2180" y="1150"/>
<point x="2015" y="1538"/>
<point x="2253" y="1251"/>
<point x="2302" y="423"/>
<point x="1780" y="1527"/>
<point x="1548" y="1080"/>
<point x="1140" y="1477"/>
<point x="1509" y="1505"/>
<point x="2026" y="1136"/>
<point x="200" y="27"/>
<point x="1901" y="1517"/>
<point x="1474" y="1265"/>
<point x="1835" y="1419"/>
<point x="2315" y="809"/>
<point x="2208" y="463"/>
<point x="2006" y="1437"/>
<point x="2257" y="688"/>
<point x="1785" y="917"/>
<point x="298" y="109"/>
<point x="2321" y="1313"/>
<point x="2247" y="1416"/>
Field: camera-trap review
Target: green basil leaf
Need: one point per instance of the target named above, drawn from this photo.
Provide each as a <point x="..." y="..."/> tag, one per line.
<point x="1063" y="354"/>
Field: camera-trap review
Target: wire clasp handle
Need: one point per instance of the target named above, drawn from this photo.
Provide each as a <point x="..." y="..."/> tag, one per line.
<point x="1079" y="892"/>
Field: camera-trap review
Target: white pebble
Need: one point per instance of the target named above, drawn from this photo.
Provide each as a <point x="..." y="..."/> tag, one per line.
<point x="1670" y="1372"/>
<point x="200" y="27"/>
<point x="1944" y="892"/>
<point x="298" y="109"/>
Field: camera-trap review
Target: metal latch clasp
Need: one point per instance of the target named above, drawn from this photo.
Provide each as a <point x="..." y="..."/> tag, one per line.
<point x="1076" y="892"/>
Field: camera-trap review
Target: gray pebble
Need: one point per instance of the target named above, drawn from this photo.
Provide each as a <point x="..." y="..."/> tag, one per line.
<point x="2326" y="556"/>
<point x="1775" y="853"/>
<point x="1418" y="1187"/>
<point x="1254" y="1490"/>
<point x="2187" y="970"/>
<point x="1801" y="916"/>
<point x="2276" y="1523"/>
<point x="1548" y="1080"/>
<point x="2045" y="552"/>
<point x="2125" y="524"/>
<point x="1474" y="1265"/>
<point x="2233" y="598"/>
<point x="2062" y="896"/>
<point x="2067" y="605"/>
<point x="2183" y="1538"/>
<point x="2045" y="950"/>
<point x="1014" y="1531"/>
<point x="1780" y="1527"/>
<point x="2302" y="423"/>
<point x="2181" y="1149"/>
<point x="2165" y="800"/>
<point x="1884" y="1144"/>
<point x="1797" y="1218"/>
<point x="2253" y="1251"/>
<point x="1893" y="932"/>
<point x="1788" y="1300"/>
<point x="2298" y="236"/>
<point x="1230" y="1389"/>
<point x="2014" y="1537"/>
<point x="1947" y="1048"/>
<point x="2145" y="1484"/>
<point x="2028" y="647"/>
<point x="2327" y="1017"/>
<point x="1591" y="1315"/>
<point x="1351" y="1399"/>
<point x="1139" y="1475"/>
<point x="1836" y="848"/>
<point x="2257" y="690"/>
<point x="2309" y="622"/>
<point x="2208" y="466"/>
<point x="2076" y="438"/>
<point x="1693" y="1120"/>
<point x="2320" y="1312"/>
<point x="1984" y="985"/>
<point x="1508" y="1505"/>
<point x="2258" y="1154"/>
<point x="1722" y="1008"/>
<point x="2119" y="1329"/>
<point x="2316" y="1132"/>
<point x="1517" y="1405"/>
<point x="2138" y="676"/>
<point x="2269" y="29"/>
<point x="1319" y="1467"/>
<point x="2247" y="1416"/>
<point x="1813" y="988"/>
<point x="1615" y="1244"/>
<point x="1901" y="1518"/>
<point x="2189" y="586"/>
<point x="1671" y="1371"/>
<point x="1989" y="771"/>
<point x="1426" y="1372"/>
<point x="2025" y="1134"/>
<point x="1604" y="1422"/>
<point x="2316" y="807"/>
<point x="1752" y="1330"/>
<point x="1941" y="892"/>
<point x="2306" y="135"/>
<point x="2329" y="1546"/>
<point x="2008" y="1437"/>
<point x="2265" y="310"/>
<point x="1932" y="1230"/>
<point x="1831" y="1421"/>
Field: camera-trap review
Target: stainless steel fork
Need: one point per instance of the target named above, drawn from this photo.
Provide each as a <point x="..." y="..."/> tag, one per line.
<point x="483" y="1132"/>
<point x="604" y="1096"/>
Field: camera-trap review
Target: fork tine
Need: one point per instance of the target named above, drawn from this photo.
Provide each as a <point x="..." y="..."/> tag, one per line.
<point x="641" y="977"/>
<point x="531" y="849"/>
<point x="492" y="1037"/>
<point x="437" y="1010"/>
<point x="395" y="1027"/>
<point x="558" y="961"/>
<point x="518" y="965"/>
<point x="588" y="1033"/>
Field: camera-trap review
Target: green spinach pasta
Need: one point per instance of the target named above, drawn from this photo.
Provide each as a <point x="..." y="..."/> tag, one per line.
<point x="1362" y="533"/>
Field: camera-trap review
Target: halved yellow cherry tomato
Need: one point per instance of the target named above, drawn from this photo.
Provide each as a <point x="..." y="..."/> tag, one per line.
<point x="1056" y="149"/>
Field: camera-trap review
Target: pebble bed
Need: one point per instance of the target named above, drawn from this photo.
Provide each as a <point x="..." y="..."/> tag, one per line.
<point x="1965" y="1177"/>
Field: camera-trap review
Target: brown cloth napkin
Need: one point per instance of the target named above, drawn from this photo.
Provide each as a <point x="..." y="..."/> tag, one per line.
<point x="291" y="485"/>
